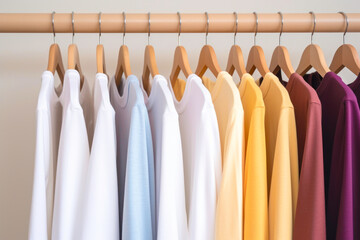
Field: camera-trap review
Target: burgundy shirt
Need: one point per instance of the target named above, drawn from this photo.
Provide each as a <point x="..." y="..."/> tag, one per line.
<point x="341" y="148"/>
<point x="310" y="211"/>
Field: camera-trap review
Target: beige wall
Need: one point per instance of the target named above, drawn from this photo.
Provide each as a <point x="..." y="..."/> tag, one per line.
<point x="23" y="57"/>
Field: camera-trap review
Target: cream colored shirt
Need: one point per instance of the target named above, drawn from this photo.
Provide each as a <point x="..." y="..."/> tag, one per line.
<point x="230" y="116"/>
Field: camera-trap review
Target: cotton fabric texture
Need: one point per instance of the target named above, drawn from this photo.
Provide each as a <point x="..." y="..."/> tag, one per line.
<point x="201" y="154"/>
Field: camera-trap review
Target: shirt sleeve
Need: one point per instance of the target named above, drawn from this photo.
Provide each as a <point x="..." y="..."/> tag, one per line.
<point x="310" y="212"/>
<point x="230" y="200"/>
<point x="255" y="179"/>
<point x="139" y="195"/>
<point x="284" y="181"/>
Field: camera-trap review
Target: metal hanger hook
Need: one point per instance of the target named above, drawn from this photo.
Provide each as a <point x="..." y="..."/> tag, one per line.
<point x="124" y="16"/>
<point x="346" y="26"/>
<point x="178" y="13"/>
<point x="282" y="26"/>
<point x="236" y="27"/>
<point x="207" y="27"/>
<point x="53" y="23"/>
<point x="314" y="17"/>
<point x="99" y="27"/>
<point x="73" y="28"/>
<point x="256" y="27"/>
<point x="149" y="29"/>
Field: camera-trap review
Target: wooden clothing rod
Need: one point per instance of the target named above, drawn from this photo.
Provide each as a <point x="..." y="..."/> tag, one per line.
<point x="169" y="22"/>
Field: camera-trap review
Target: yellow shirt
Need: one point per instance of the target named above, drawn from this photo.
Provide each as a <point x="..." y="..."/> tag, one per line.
<point x="229" y="112"/>
<point x="282" y="157"/>
<point x="255" y="181"/>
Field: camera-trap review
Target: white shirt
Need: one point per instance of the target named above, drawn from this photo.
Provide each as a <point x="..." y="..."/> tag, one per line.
<point x="202" y="157"/>
<point x="47" y="140"/>
<point x="73" y="157"/>
<point x="171" y="216"/>
<point x="101" y="214"/>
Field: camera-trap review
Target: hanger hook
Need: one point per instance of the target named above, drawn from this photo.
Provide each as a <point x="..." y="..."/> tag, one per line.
<point x="73" y="29"/>
<point x="99" y="27"/>
<point x="124" y="16"/>
<point x="314" y="17"/>
<point x="236" y="26"/>
<point x="53" y="23"/>
<point x="149" y="28"/>
<point x="178" y="13"/>
<point x="207" y="27"/>
<point x="256" y="27"/>
<point x="282" y="26"/>
<point x="346" y="26"/>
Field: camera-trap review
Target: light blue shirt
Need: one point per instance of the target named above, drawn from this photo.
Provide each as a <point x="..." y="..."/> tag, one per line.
<point x="135" y="161"/>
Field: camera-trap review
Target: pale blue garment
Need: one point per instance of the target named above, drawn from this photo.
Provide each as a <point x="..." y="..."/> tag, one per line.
<point x="137" y="179"/>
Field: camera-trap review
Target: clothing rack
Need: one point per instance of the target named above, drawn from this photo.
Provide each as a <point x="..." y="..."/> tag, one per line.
<point x="169" y="22"/>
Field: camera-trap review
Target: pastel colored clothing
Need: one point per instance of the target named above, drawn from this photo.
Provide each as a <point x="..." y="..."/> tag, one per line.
<point x="201" y="154"/>
<point x="135" y="160"/>
<point x="230" y="116"/>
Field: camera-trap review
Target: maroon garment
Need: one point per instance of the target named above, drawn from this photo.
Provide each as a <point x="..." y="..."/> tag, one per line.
<point x="355" y="86"/>
<point x="310" y="211"/>
<point x="341" y="146"/>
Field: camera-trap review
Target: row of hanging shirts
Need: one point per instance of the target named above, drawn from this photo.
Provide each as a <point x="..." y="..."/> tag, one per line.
<point x="161" y="168"/>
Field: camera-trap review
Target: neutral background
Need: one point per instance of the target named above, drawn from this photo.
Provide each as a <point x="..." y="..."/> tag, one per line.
<point x="23" y="58"/>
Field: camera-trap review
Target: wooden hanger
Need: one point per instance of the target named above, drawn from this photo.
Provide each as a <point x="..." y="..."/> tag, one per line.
<point x="346" y="55"/>
<point x="181" y="61"/>
<point x="280" y="59"/>
<point x="100" y="55"/>
<point x="73" y="56"/>
<point x="313" y="56"/>
<point x="256" y="58"/>
<point x="207" y="59"/>
<point x="74" y="61"/>
<point x="236" y="59"/>
<point x="123" y="64"/>
<point x="100" y="59"/>
<point x="55" y="63"/>
<point x="150" y="66"/>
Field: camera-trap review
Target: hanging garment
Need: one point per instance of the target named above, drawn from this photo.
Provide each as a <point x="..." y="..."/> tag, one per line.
<point x="310" y="212"/>
<point x="282" y="157"/>
<point x="355" y="87"/>
<point x="201" y="153"/>
<point x="255" y="180"/>
<point x="135" y="161"/>
<point x="100" y="205"/>
<point x="47" y="141"/>
<point x="341" y="137"/>
<point x="73" y="157"/>
<point x="230" y="116"/>
<point x="169" y="171"/>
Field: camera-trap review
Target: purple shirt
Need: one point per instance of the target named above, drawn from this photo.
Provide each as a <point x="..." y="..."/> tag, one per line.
<point x="341" y="148"/>
<point x="355" y="86"/>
